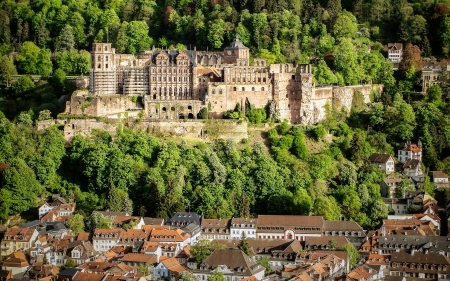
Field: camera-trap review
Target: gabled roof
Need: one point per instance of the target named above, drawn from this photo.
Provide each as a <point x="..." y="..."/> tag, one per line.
<point x="289" y="221"/>
<point x="412" y="164"/>
<point x="134" y="257"/>
<point x="395" y="46"/>
<point x="419" y="257"/>
<point x="379" y="158"/>
<point x="236" y="44"/>
<point x="153" y="221"/>
<point x="84" y="276"/>
<point x="312" y="241"/>
<point x="184" y="218"/>
<point x="342" y="226"/>
<point x="233" y="259"/>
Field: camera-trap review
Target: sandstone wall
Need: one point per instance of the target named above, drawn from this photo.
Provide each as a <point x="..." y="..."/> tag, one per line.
<point x="83" y="104"/>
<point x="205" y="130"/>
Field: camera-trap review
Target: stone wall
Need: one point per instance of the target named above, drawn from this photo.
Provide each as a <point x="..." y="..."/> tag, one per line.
<point x="81" y="103"/>
<point x="205" y="130"/>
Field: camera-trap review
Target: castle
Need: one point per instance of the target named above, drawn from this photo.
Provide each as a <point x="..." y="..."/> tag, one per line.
<point x="179" y="84"/>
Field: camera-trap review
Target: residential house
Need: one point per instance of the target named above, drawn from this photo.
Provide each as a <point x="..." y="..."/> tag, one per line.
<point x="440" y="179"/>
<point x="49" y="205"/>
<point x="17" y="263"/>
<point x="413" y="227"/>
<point x="170" y="249"/>
<point x="40" y="270"/>
<point x="181" y="219"/>
<point x="351" y="230"/>
<point x="184" y="256"/>
<point x="395" y="52"/>
<point x="431" y="73"/>
<point x="60" y="213"/>
<point x="288" y="227"/>
<point x="412" y="169"/>
<point x="390" y="184"/>
<point x="280" y="252"/>
<point x="133" y="237"/>
<point x="379" y="260"/>
<point x="241" y="226"/>
<point x="105" y="239"/>
<point x="151" y="248"/>
<point x="325" y="243"/>
<point x="85" y="276"/>
<point x="16" y="239"/>
<point x="364" y="273"/>
<point x="42" y="248"/>
<point x="316" y="266"/>
<point x="234" y="264"/>
<point x="215" y="229"/>
<point x="137" y="260"/>
<point x="384" y="162"/>
<point x="194" y="232"/>
<point x="68" y="274"/>
<point x="434" y="219"/>
<point x="169" y="236"/>
<point x="397" y="205"/>
<point x="410" y="151"/>
<point x="418" y="264"/>
<point x="390" y="243"/>
<point x="168" y="269"/>
<point x="81" y="252"/>
<point x="122" y="218"/>
<point x="51" y="229"/>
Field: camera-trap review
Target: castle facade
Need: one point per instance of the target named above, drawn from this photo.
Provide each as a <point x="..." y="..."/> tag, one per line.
<point x="178" y="84"/>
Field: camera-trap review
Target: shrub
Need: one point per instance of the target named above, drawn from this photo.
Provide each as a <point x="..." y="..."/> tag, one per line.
<point x="319" y="132"/>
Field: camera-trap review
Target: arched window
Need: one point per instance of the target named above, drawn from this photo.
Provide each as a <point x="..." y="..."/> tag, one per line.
<point x="99" y="58"/>
<point x="262" y="89"/>
<point x="234" y="88"/>
<point x="213" y="92"/>
<point x="253" y="89"/>
<point x="243" y="89"/>
<point x="220" y="91"/>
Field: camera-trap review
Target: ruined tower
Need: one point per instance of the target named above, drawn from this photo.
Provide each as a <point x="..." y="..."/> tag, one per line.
<point x="237" y="54"/>
<point x="103" y="75"/>
<point x="303" y="76"/>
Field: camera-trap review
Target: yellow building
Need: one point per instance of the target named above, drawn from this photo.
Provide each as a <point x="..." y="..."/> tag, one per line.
<point x="16" y="239"/>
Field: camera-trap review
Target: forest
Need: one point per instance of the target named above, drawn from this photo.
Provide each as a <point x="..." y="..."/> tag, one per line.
<point x="320" y="170"/>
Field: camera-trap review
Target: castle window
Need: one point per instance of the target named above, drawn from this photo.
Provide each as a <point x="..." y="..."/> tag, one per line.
<point x="220" y="91"/>
<point x="99" y="58"/>
<point x="234" y="88"/>
<point x="189" y="107"/>
<point x="262" y="89"/>
<point x="213" y="92"/>
<point x="253" y="89"/>
<point x="106" y="65"/>
<point x="106" y="48"/>
<point x="164" y="109"/>
<point x="264" y="79"/>
<point x="106" y="58"/>
<point x="172" y="108"/>
<point x="99" y="65"/>
<point x="287" y="96"/>
<point x="243" y="89"/>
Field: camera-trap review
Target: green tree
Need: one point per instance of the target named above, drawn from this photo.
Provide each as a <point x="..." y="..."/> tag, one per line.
<point x="323" y="74"/>
<point x="58" y="79"/>
<point x="137" y="37"/>
<point x="27" y="58"/>
<point x="332" y="245"/>
<point x="203" y="249"/>
<point x="118" y="201"/>
<point x="76" y="223"/>
<point x="7" y="70"/>
<point x="22" y="86"/>
<point x="327" y="207"/>
<point x="5" y="204"/>
<point x="216" y="32"/>
<point x="345" y="26"/>
<point x="187" y="276"/>
<point x="70" y="263"/>
<point x="352" y="254"/>
<point x="217" y="276"/>
<point x="143" y="269"/>
<point x="243" y="245"/>
<point x="44" y="115"/>
<point x="66" y="40"/>
<point x="265" y="262"/>
<point x="97" y="220"/>
<point x="345" y="61"/>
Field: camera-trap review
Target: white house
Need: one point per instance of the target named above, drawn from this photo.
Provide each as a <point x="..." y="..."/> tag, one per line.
<point x="384" y="162"/>
<point x="399" y="205"/>
<point x="440" y="179"/>
<point x="168" y="268"/>
<point x="105" y="239"/>
<point x="412" y="169"/>
<point x="410" y="151"/>
<point x="215" y="229"/>
<point x="239" y="226"/>
<point x="288" y="227"/>
<point x="395" y="52"/>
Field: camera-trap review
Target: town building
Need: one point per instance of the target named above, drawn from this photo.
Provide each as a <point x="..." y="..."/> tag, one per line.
<point x="413" y="170"/>
<point x="215" y="229"/>
<point x="410" y="151"/>
<point x="351" y="230"/>
<point x="395" y="52"/>
<point x="288" y="227"/>
<point x="168" y="269"/>
<point x="390" y="184"/>
<point x="243" y="226"/>
<point x="431" y="73"/>
<point x="234" y="265"/>
<point x="16" y="239"/>
<point x="181" y="219"/>
<point x="384" y="162"/>
<point x="440" y="179"/>
<point x="105" y="239"/>
<point x="417" y="264"/>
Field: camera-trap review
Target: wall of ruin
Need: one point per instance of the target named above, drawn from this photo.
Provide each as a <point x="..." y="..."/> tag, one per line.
<point x="173" y="109"/>
<point x="205" y="130"/>
<point x="81" y="103"/>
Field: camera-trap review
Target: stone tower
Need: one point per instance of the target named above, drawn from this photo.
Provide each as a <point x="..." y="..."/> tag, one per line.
<point x="303" y="76"/>
<point x="236" y="53"/>
<point x="103" y="75"/>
